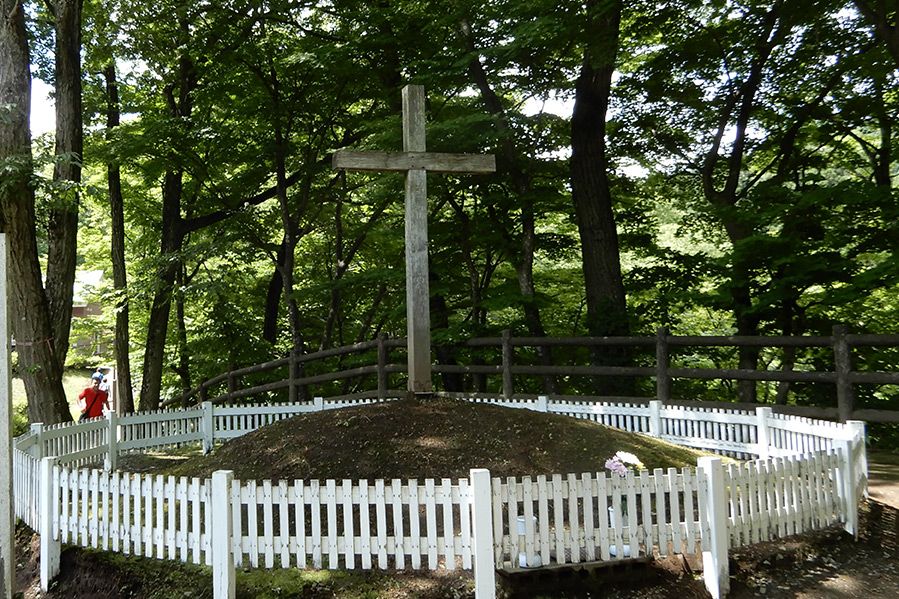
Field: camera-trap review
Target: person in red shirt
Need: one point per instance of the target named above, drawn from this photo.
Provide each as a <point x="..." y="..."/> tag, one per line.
<point x="93" y="399"/>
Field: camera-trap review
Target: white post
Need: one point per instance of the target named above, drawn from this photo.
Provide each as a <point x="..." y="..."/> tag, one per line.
<point x="224" y="577"/>
<point x="847" y="486"/>
<point x="208" y="427"/>
<point x="715" y="569"/>
<point x="7" y="501"/>
<point x="112" y="453"/>
<point x="50" y="543"/>
<point x="542" y="403"/>
<point x="37" y="429"/>
<point x="763" y="433"/>
<point x="655" y="418"/>
<point x="318" y="404"/>
<point x="482" y="531"/>
<point x="859" y="427"/>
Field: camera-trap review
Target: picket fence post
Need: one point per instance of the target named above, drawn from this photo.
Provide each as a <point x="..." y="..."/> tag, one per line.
<point x="655" y="418"/>
<point x="859" y="427"/>
<point x="50" y="547"/>
<point x="763" y="432"/>
<point x="847" y="485"/>
<point x="208" y="427"/>
<point x="482" y="531"/>
<point x="224" y="576"/>
<point x="37" y="429"/>
<point x="715" y="570"/>
<point x="318" y="404"/>
<point x="112" y="453"/>
<point x="663" y="379"/>
<point x="542" y="403"/>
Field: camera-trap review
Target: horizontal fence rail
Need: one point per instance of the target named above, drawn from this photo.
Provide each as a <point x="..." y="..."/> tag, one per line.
<point x="801" y="475"/>
<point x="373" y="360"/>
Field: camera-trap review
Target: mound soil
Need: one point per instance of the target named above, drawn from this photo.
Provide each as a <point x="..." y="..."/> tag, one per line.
<point x="428" y="438"/>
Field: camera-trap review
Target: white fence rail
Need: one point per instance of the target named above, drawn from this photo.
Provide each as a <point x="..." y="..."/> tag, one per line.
<point x="804" y="475"/>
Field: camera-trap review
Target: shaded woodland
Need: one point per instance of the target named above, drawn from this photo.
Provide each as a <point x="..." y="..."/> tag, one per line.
<point x="711" y="167"/>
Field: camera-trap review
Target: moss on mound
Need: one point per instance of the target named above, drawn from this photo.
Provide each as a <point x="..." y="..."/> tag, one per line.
<point x="432" y="438"/>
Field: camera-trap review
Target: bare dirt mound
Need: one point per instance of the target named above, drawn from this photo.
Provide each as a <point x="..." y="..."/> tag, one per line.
<point x="432" y="438"/>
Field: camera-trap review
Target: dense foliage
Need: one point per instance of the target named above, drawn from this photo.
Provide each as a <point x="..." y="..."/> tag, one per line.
<point x="748" y="150"/>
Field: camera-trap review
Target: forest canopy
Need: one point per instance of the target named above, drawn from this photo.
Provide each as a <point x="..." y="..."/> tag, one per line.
<point x="714" y="167"/>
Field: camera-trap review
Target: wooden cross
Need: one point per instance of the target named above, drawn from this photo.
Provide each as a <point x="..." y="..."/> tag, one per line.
<point x="416" y="162"/>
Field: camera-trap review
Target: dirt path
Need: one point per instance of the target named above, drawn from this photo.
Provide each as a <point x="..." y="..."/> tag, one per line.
<point x="883" y="478"/>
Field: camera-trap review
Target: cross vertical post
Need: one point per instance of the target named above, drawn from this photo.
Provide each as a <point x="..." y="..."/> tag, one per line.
<point x="418" y="310"/>
<point x="415" y="162"/>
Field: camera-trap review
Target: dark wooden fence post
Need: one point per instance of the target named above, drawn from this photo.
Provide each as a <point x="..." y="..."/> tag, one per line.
<point x="843" y="365"/>
<point x="507" y="363"/>
<point x="382" y="366"/>
<point x="232" y="384"/>
<point x="292" y="375"/>
<point x="663" y="381"/>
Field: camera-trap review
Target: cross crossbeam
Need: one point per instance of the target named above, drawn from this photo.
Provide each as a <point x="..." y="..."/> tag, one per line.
<point x="416" y="162"/>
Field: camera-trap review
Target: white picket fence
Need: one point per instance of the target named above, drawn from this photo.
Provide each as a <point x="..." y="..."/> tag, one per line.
<point x="803" y="475"/>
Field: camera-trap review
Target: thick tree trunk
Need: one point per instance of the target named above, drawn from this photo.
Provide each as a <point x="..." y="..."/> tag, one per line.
<point x="160" y="309"/>
<point x="591" y="194"/>
<point x="117" y="238"/>
<point x="273" y="299"/>
<point x="38" y="362"/>
<point x="63" y="222"/>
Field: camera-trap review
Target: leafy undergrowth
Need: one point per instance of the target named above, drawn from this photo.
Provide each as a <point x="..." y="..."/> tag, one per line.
<point x="435" y="438"/>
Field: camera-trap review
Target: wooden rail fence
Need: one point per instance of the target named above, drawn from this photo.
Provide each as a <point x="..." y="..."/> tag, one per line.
<point x="227" y="387"/>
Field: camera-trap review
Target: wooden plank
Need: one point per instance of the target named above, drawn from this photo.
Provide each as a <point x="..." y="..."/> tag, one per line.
<point x="449" y="530"/>
<point x="93" y="512"/>
<point x="672" y="490"/>
<point x="414" y="524"/>
<point x="299" y="516"/>
<point x="159" y="528"/>
<point x="398" y="533"/>
<point x="617" y="530"/>
<point x="431" y="522"/>
<point x="349" y="551"/>
<point x="195" y="522"/>
<point x="543" y="519"/>
<point x="516" y="540"/>
<point x="530" y="537"/>
<point x="253" y="523"/>
<point x="558" y="520"/>
<point x="315" y="505"/>
<point x="331" y="507"/>
<point x="602" y="513"/>
<point x="364" y="525"/>
<point x="268" y="531"/>
<point x="646" y="530"/>
<point x="662" y="525"/>
<point x="405" y="161"/>
<point x="84" y="508"/>
<point x="496" y="489"/>
<point x="282" y="495"/>
<point x="126" y="513"/>
<point x="381" y="522"/>
<point x="631" y="488"/>
<point x="688" y="476"/>
<point x="171" y="512"/>
<point x="137" y="521"/>
<point x="114" y="525"/>
<point x="465" y="522"/>
<point x="573" y="518"/>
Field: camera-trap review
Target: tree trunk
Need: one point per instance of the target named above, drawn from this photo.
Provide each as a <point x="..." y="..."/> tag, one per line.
<point x="273" y="299"/>
<point x="183" y="367"/>
<point x="63" y="222"/>
<point x="117" y="237"/>
<point x="173" y="231"/>
<point x="590" y="191"/>
<point x="38" y="362"/>
<point x="158" y="323"/>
